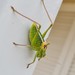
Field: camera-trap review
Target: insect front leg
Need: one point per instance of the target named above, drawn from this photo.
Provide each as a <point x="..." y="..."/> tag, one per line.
<point x="32" y="61"/>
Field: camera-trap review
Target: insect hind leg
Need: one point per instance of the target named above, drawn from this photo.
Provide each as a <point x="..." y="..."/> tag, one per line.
<point x="32" y="62"/>
<point x="46" y="11"/>
<point x="14" y="10"/>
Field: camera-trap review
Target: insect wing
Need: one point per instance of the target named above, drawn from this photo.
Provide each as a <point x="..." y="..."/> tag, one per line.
<point x="33" y="31"/>
<point x="37" y="40"/>
<point x="35" y="37"/>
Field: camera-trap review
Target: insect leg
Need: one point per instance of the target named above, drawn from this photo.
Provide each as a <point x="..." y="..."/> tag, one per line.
<point x="48" y="17"/>
<point x="32" y="61"/>
<point x="43" y="35"/>
<point x="20" y="44"/>
<point x="14" y="10"/>
<point x="46" y="11"/>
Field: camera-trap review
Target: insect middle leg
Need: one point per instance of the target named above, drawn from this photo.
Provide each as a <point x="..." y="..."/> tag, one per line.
<point x="21" y="45"/>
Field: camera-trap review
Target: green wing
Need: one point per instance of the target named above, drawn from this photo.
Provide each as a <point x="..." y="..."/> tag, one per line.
<point x="33" y="31"/>
<point x="35" y="37"/>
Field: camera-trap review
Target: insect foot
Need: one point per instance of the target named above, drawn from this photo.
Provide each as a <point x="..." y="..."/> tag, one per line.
<point x="14" y="43"/>
<point x="28" y="65"/>
<point x="12" y="8"/>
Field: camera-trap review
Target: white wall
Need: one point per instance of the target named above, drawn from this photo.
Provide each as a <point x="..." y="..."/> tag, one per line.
<point x="13" y="28"/>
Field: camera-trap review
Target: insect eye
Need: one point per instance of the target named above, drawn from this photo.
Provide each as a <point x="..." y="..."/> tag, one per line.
<point x="45" y="46"/>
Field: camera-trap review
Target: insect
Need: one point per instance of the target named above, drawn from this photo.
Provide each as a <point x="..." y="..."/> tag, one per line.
<point x="36" y="38"/>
